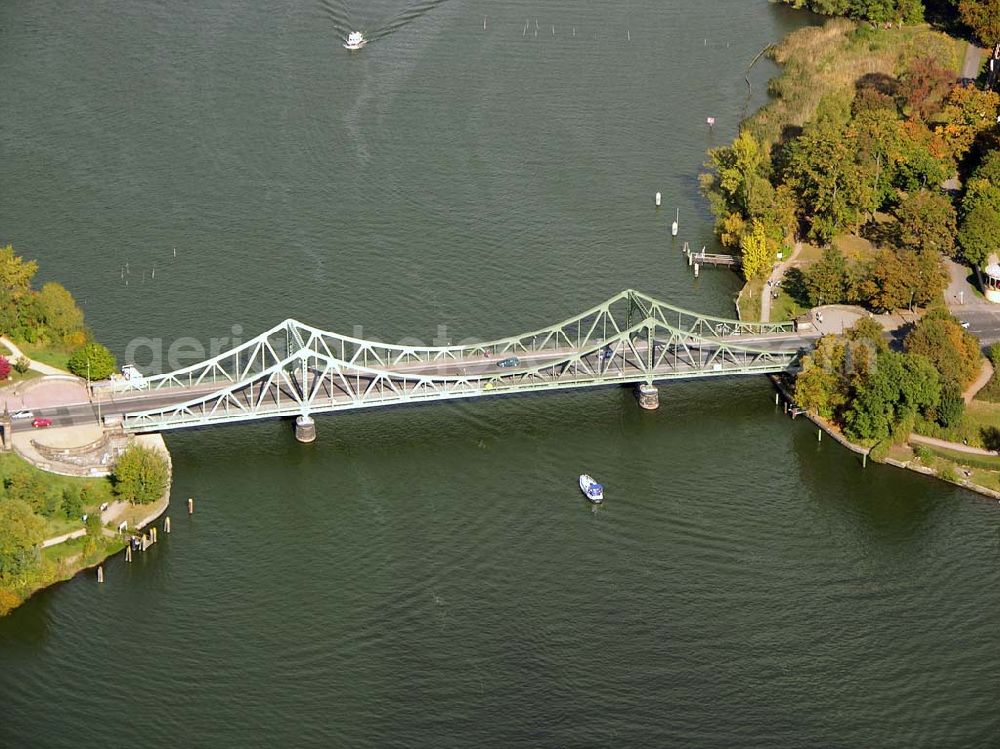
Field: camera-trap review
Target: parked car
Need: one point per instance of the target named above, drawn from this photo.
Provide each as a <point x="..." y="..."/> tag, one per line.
<point x="40" y="422"/>
<point x="510" y="361"/>
<point x="22" y="414"/>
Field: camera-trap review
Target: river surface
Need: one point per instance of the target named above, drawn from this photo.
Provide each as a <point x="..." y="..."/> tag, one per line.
<point x="431" y="576"/>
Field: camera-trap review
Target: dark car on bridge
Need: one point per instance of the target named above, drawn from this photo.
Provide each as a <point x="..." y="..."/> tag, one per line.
<point x="510" y="361"/>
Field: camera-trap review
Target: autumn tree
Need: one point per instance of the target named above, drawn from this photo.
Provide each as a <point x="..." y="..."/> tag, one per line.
<point x="924" y="87"/>
<point x="141" y="475"/>
<point x="830" y="188"/>
<point x="757" y="252"/>
<point x="927" y="223"/>
<point x="968" y="111"/>
<point x="58" y="310"/>
<point x="983" y="17"/>
<point x="15" y="286"/>
<point x="953" y="351"/>
<point x="21" y="530"/>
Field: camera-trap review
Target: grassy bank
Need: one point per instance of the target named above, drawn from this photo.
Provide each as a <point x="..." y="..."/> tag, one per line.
<point x="821" y="60"/>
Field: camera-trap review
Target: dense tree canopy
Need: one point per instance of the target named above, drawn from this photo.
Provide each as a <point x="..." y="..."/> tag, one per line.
<point x="983" y="17"/>
<point x="20" y="533"/>
<point x="876" y="11"/>
<point x="926" y="223"/>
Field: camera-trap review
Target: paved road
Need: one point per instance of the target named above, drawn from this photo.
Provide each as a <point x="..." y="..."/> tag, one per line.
<point x="973" y="57"/>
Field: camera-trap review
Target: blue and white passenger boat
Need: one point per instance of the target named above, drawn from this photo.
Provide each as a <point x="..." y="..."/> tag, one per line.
<point x="591" y="489"/>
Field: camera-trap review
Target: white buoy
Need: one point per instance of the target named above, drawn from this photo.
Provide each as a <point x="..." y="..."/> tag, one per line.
<point x="657" y="200"/>
<point x="673" y="226"/>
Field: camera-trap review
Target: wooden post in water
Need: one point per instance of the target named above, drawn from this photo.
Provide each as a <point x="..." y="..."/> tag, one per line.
<point x="819" y="434"/>
<point x="864" y="460"/>
<point x="776" y="396"/>
<point x="128" y="551"/>
<point x="166" y="524"/>
<point x="100" y="574"/>
<point x="190" y="506"/>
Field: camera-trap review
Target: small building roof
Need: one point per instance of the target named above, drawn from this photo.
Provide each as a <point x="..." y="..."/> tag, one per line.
<point x="993" y="270"/>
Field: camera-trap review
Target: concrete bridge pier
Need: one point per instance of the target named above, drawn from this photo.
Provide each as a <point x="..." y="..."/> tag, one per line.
<point x="649" y="396"/>
<point x="305" y="429"/>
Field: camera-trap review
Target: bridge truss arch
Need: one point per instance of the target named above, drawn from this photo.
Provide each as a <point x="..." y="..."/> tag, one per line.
<point x="297" y="369"/>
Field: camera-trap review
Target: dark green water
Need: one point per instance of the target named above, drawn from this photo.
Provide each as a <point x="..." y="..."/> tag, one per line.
<point x="431" y="576"/>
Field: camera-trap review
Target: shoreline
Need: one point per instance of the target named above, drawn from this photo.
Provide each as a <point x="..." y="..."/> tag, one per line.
<point x="65" y="569"/>
<point x="865" y="452"/>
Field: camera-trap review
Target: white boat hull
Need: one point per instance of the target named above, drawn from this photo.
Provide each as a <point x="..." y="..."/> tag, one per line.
<point x="592" y="490"/>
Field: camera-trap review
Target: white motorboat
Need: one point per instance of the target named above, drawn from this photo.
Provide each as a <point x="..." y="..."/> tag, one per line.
<point x="591" y="489"/>
<point x="355" y="40"/>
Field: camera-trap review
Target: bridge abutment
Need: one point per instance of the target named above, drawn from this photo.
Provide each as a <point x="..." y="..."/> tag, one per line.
<point x="649" y="396"/>
<point x="305" y="429"/>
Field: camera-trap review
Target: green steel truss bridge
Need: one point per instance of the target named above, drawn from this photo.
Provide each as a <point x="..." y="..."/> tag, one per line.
<point x="298" y="370"/>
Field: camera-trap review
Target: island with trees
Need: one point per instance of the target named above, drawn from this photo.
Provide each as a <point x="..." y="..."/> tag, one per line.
<point x="52" y="526"/>
<point x="872" y="179"/>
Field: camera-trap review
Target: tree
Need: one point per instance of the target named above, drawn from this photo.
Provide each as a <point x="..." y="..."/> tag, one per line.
<point x="93" y="361"/>
<point x="951" y="408"/>
<point x="979" y="234"/>
<point x="924" y="86"/>
<point x="827" y="280"/>
<point x="866" y="329"/>
<point x="4" y="368"/>
<point x="821" y="387"/>
<point x="953" y="351"/>
<point x="968" y="112"/>
<point x="72" y="505"/>
<point x="141" y="475"/>
<point x="831" y="190"/>
<point x="900" y="387"/>
<point x="983" y="17"/>
<point x="20" y="533"/>
<point x="15" y="284"/>
<point x="757" y="252"/>
<point x="58" y="310"/>
<point x="927" y="223"/>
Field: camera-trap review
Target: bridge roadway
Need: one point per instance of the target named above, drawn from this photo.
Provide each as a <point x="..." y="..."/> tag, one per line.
<point x="477" y="372"/>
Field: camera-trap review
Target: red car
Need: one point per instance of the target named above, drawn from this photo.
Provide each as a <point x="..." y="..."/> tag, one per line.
<point x="39" y="422"/>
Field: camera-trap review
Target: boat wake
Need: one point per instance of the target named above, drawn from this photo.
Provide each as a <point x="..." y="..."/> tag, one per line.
<point x="339" y="14"/>
<point x="409" y="14"/>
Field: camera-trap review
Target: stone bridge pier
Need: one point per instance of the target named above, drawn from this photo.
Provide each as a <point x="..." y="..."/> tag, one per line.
<point x="649" y="396"/>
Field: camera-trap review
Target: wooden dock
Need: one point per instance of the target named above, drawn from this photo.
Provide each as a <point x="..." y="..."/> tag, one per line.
<point x="698" y="259"/>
